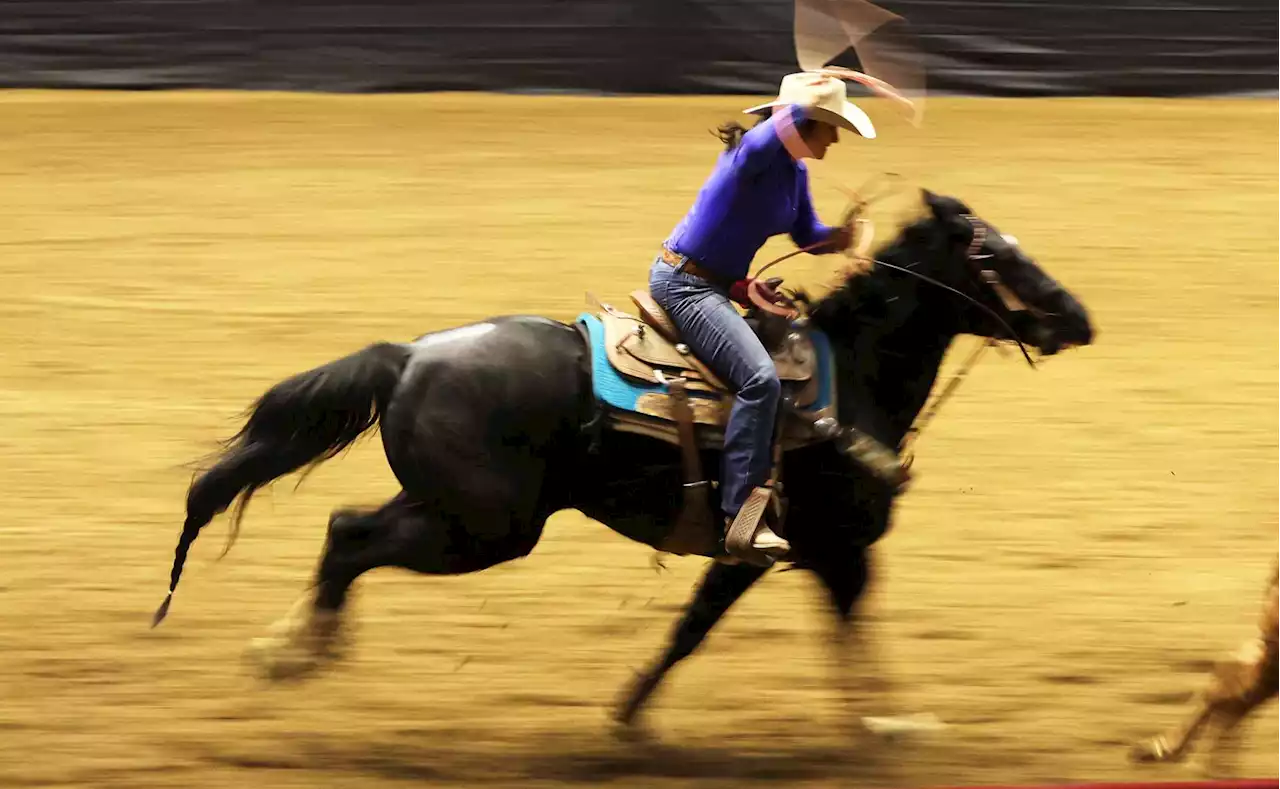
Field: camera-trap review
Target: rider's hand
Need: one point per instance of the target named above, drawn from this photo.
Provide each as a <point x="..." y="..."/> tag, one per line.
<point x="738" y="291"/>
<point x="841" y="238"/>
<point x="768" y="289"/>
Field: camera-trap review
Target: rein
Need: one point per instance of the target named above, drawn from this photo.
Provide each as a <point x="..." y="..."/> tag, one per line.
<point x="850" y="217"/>
<point x="968" y="298"/>
<point x="907" y="445"/>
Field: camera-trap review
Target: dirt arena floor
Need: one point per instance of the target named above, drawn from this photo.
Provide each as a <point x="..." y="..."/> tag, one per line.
<point x="1081" y="541"/>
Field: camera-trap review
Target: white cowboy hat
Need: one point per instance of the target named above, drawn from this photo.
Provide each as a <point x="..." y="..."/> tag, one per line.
<point x="826" y="98"/>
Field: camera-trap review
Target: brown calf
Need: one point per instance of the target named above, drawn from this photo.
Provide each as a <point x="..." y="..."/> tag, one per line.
<point x="1238" y="687"/>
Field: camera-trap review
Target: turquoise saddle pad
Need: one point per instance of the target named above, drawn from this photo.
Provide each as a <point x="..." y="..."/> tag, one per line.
<point x="615" y="391"/>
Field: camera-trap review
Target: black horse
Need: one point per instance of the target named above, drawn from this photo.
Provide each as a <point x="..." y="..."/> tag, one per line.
<point x="492" y="427"/>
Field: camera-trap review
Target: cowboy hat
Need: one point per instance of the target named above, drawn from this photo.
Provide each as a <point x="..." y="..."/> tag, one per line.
<point x="826" y="99"/>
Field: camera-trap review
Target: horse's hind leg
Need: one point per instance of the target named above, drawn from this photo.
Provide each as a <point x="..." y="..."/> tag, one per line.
<point x="311" y="633"/>
<point x="357" y="542"/>
<point x="402" y="533"/>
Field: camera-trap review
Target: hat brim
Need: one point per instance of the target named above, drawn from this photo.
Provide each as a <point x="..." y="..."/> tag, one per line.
<point x="851" y="118"/>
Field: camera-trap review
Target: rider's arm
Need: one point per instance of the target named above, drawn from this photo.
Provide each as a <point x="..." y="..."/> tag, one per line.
<point x="761" y="143"/>
<point x="808" y="229"/>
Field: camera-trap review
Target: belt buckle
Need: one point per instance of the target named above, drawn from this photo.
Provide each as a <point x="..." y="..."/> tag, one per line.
<point x="674" y="259"/>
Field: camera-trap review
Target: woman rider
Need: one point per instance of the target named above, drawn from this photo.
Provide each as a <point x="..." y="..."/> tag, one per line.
<point x="758" y="189"/>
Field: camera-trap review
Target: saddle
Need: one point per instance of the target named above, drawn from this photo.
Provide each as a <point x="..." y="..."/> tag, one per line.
<point x="652" y="384"/>
<point x="647" y="349"/>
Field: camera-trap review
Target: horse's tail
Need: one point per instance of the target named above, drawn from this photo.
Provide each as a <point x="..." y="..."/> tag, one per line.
<point x="301" y="421"/>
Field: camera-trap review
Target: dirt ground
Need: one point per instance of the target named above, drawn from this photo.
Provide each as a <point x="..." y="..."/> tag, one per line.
<point x="1081" y="540"/>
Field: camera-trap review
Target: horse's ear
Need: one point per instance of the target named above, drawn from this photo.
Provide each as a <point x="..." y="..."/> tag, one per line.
<point x="932" y="201"/>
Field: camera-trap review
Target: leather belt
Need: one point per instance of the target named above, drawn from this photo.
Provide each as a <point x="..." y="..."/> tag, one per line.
<point x="689" y="266"/>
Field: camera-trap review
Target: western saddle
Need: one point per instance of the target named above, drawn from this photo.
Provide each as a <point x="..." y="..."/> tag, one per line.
<point x="692" y="405"/>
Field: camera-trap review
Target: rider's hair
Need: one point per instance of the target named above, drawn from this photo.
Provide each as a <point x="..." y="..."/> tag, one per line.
<point x="730" y="132"/>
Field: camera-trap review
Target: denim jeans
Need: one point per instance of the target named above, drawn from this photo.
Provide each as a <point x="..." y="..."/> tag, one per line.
<point x="719" y="336"/>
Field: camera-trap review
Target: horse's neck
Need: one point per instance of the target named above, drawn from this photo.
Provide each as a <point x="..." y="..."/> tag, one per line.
<point x="908" y="372"/>
<point x="885" y="375"/>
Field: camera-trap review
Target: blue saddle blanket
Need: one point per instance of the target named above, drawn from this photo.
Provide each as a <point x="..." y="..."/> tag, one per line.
<point x="614" y="390"/>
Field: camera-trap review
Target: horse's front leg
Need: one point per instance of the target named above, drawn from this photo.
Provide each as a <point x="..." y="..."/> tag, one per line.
<point x="862" y="682"/>
<point x="847" y="578"/>
<point x="721" y="587"/>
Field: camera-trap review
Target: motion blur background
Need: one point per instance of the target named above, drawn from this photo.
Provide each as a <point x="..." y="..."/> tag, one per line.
<point x="1081" y="542"/>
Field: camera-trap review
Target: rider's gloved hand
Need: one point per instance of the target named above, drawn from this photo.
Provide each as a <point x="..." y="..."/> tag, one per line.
<point x="738" y="291"/>
<point x="841" y="238"/>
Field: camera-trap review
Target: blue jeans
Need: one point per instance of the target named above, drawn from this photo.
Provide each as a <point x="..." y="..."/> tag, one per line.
<point x="719" y="336"/>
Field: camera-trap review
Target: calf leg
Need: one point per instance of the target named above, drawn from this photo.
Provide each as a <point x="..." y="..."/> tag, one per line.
<point x="1236" y="687"/>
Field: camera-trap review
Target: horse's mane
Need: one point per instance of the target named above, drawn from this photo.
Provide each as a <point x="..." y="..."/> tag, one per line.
<point x="861" y="290"/>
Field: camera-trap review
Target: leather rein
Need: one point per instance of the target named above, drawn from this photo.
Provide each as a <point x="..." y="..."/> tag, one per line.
<point x="859" y="251"/>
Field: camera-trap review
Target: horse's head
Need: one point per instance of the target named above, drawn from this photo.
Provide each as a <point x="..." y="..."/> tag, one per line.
<point x="959" y="249"/>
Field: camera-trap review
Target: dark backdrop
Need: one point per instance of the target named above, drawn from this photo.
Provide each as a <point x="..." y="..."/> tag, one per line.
<point x="998" y="47"/>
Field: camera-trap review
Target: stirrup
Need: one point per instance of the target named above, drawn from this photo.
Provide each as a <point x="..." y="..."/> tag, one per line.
<point x="740" y="539"/>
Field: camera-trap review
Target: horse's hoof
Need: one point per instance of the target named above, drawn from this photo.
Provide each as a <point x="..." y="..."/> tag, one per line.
<point x="637" y="692"/>
<point x="632" y="733"/>
<point x="269" y="661"/>
<point x="625" y="723"/>
<point x="893" y="726"/>
<point x="257" y="658"/>
<point x="1153" y="749"/>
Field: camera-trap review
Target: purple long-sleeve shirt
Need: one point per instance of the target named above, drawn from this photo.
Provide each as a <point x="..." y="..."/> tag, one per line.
<point x="756" y="191"/>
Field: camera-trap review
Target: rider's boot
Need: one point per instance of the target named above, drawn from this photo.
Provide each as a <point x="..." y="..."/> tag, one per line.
<point x="875" y="457"/>
<point x="767" y="542"/>
<point x="749" y="536"/>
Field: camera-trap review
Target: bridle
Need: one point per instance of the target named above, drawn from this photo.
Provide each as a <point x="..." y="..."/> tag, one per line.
<point x="859" y="251"/>
<point x="990" y="277"/>
<point x="984" y="273"/>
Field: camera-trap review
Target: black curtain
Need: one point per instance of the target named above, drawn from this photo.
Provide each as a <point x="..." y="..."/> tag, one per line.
<point x="992" y="47"/>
